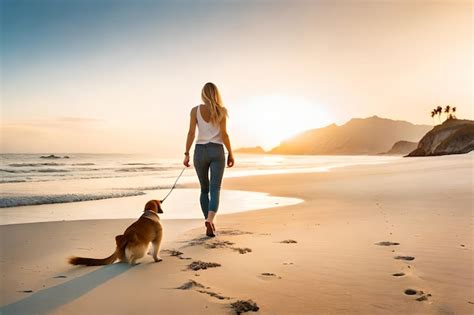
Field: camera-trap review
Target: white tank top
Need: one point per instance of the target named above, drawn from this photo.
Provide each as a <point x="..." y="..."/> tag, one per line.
<point x="207" y="132"/>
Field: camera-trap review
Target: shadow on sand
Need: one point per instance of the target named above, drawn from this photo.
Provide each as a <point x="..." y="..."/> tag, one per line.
<point x="46" y="300"/>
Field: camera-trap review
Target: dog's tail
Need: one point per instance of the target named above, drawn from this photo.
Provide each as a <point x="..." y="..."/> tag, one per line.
<point x="121" y="243"/>
<point x="93" y="261"/>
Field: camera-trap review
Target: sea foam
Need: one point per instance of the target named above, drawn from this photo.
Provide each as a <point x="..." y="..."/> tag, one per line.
<point x="16" y="201"/>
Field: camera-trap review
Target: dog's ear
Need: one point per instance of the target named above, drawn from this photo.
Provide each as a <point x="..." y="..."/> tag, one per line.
<point x="151" y="205"/>
<point x="158" y="205"/>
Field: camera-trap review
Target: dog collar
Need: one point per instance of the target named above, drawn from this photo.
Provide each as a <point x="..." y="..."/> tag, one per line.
<point x="149" y="211"/>
<point x="150" y="215"/>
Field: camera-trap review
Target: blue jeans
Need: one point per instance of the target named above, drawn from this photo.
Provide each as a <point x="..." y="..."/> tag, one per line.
<point x="209" y="156"/>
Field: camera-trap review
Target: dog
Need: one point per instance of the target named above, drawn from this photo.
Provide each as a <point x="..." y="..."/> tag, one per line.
<point x="134" y="242"/>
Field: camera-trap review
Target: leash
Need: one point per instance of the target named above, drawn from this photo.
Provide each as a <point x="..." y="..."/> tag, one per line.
<point x="174" y="185"/>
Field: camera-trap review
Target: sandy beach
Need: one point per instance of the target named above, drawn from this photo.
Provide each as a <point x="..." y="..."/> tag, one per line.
<point x="370" y="239"/>
<point x="340" y="134"/>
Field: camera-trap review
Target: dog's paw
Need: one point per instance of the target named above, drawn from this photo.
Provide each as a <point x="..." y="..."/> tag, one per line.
<point x="158" y="259"/>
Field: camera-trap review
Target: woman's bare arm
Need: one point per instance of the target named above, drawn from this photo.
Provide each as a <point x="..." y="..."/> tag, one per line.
<point x="226" y="140"/>
<point x="192" y="130"/>
<point x="191" y="135"/>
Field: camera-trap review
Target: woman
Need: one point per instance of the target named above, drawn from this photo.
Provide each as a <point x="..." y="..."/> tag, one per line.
<point x="210" y="117"/>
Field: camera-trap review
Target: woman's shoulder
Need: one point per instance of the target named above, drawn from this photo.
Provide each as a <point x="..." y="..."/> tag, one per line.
<point x="225" y="111"/>
<point x="197" y="106"/>
<point x="194" y="109"/>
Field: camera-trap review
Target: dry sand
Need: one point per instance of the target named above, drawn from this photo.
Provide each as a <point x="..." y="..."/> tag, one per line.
<point x="316" y="257"/>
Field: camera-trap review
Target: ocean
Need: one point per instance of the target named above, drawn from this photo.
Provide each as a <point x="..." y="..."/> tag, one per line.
<point x="30" y="181"/>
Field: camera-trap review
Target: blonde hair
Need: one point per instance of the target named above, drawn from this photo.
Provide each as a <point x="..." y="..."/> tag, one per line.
<point x="210" y="95"/>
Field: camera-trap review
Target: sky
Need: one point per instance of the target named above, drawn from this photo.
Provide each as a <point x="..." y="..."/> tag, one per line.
<point x="114" y="76"/>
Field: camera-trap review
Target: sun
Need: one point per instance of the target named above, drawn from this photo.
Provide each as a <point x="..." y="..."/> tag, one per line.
<point x="267" y="120"/>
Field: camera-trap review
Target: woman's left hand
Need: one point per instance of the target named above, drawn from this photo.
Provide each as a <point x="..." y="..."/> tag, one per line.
<point x="186" y="161"/>
<point x="230" y="160"/>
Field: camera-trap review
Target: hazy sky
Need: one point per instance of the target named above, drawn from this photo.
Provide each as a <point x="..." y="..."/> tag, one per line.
<point x="122" y="76"/>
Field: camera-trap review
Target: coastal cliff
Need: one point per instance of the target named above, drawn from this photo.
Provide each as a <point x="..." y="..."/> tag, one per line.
<point x="402" y="148"/>
<point x="454" y="136"/>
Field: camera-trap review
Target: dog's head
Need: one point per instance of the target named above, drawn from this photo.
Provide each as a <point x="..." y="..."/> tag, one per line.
<point x="154" y="205"/>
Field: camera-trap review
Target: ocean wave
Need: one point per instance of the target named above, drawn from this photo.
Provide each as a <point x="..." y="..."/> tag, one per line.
<point x="143" y="188"/>
<point x="52" y="170"/>
<point x="35" y="164"/>
<point x="83" y="164"/>
<point x="142" y="169"/>
<point x="44" y="170"/>
<point x="13" y="171"/>
<point x="18" y="201"/>
<point x="71" y="176"/>
<point x="7" y="181"/>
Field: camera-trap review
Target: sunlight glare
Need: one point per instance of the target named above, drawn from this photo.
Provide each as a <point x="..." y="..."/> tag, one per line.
<point x="267" y="120"/>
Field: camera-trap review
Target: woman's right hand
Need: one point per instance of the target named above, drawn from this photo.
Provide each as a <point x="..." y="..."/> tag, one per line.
<point x="230" y="160"/>
<point x="186" y="161"/>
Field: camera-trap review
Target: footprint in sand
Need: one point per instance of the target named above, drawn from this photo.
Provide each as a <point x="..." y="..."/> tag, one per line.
<point x="242" y="251"/>
<point x="407" y="258"/>
<point x="387" y="243"/>
<point x="289" y="242"/>
<point x="398" y="274"/>
<point x="219" y="244"/>
<point x="227" y="244"/>
<point x="191" y="284"/>
<point x="214" y="295"/>
<point x="174" y="253"/>
<point x="422" y="296"/>
<point x="25" y="291"/>
<point x="198" y="265"/>
<point x="233" y="232"/>
<point x="244" y="306"/>
<point x="269" y="275"/>
<point x="410" y="292"/>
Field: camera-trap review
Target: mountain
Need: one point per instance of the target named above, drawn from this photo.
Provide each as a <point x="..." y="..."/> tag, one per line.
<point x="454" y="136"/>
<point x="402" y="148"/>
<point x="252" y="150"/>
<point x="358" y="136"/>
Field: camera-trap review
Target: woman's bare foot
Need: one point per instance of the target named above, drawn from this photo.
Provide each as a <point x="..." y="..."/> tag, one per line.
<point x="209" y="229"/>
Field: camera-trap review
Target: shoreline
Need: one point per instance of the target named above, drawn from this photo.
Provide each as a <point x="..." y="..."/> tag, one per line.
<point x="70" y="190"/>
<point x="335" y="265"/>
<point x="182" y="204"/>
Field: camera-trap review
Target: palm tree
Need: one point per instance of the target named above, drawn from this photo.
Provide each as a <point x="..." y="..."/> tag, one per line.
<point x="439" y="111"/>
<point x="433" y="113"/>
<point x="454" y="111"/>
<point x="447" y="110"/>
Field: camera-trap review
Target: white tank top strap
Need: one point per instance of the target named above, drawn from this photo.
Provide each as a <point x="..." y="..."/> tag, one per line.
<point x="199" y="116"/>
<point x="207" y="131"/>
